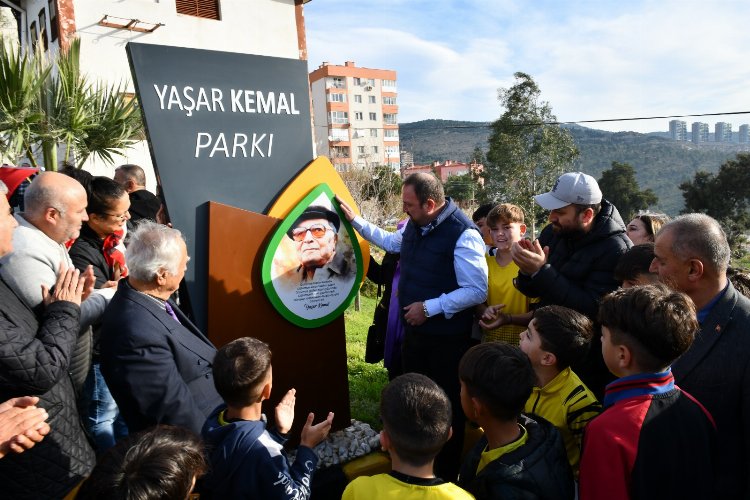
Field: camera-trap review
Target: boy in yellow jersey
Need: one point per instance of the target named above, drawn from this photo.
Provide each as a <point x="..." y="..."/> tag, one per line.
<point x="556" y="338"/>
<point x="506" y="312"/>
<point x="416" y="417"/>
<point x="519" y="456"/>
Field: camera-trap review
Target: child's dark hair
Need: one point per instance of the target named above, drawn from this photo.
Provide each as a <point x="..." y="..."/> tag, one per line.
<point x="634" y="262"/>
<point x="82" y="176"/>
<point x="159" y="463"/>
<point x="505" y="213"/>
<point x="103" y="192"/>
<point x="416" y="414"/>
<point x="500" y="376"/>
<point x="655" y="322"/>
<point x="240" y="368"/>
<point x="482" y="211"/>
<point x="564" y="332"/>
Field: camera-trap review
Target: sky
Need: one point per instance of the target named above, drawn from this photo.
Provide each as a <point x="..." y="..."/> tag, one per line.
<point x="592" y="59"/>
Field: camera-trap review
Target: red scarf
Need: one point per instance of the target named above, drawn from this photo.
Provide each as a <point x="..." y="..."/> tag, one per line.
<point x="113" y="255"/>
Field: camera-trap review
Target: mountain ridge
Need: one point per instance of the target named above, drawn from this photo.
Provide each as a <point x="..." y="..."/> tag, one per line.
<point x="661" y="163"/>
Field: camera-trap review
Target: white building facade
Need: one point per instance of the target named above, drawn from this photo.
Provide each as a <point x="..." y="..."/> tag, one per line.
<point x="263" y="27"/>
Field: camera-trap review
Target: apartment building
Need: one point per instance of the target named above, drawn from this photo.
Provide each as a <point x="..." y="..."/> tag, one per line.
<point x="700" y="132"/>
<point x="678" y="130"/>
<point x="444" y="170"/>
<point x="744" y="134"/>
<point x="723" y="132"/>
<point x="355" y="116"/>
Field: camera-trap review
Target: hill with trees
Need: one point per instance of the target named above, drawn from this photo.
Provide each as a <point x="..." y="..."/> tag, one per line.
<point x="660" y="163"/>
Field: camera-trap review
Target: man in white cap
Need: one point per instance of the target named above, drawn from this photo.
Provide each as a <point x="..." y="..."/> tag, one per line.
<point x="572" y="263"/>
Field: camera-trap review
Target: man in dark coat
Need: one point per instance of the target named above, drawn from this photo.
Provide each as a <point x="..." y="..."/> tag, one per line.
<point x="34" y="360"/>
<point x="572" y="263"/>
<point x="692" y="255"/>
<point x="143" y="203"/>
<point x="156" y="363"/>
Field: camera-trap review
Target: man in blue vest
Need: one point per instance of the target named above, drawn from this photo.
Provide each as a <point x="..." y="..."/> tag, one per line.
<point x="443" y="276"/>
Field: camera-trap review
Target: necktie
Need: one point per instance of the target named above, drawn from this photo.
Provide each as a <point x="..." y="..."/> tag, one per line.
<point x="170" y="311"/>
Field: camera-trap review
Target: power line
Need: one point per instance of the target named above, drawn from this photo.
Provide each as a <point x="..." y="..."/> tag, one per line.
<point x="601" y="120"/>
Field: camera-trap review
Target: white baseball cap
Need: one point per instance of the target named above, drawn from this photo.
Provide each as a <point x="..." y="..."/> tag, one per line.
<point x="573" y="187"/>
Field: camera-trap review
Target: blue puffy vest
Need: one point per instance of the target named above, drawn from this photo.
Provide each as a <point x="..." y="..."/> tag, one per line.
<point x="427" y="269"/>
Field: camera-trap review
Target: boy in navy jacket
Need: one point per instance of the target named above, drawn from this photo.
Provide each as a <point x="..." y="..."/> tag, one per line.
<point x="247" y="460"/>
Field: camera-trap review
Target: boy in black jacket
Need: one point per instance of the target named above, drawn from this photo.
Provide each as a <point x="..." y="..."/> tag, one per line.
<point x="518" y="456"/>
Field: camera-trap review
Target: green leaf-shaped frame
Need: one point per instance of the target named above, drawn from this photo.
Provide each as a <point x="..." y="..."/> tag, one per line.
<point x="276" y="241"/>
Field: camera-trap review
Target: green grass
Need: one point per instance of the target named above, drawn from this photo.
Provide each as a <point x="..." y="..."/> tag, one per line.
<point x="365" y="380"/>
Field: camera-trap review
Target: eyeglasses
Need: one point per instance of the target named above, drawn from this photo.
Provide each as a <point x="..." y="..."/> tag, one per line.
<point x="124" y="216"/>
<point x="317" y="230"/>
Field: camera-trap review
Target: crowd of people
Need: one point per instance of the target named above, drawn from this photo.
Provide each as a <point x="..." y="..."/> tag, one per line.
<point x="600" y="360"/>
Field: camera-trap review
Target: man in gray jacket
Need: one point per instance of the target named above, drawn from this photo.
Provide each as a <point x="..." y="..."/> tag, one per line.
<point x="55" y="209"/>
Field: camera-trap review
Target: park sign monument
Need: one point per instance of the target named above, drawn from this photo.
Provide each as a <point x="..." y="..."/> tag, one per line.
<point x="230" y="137"/>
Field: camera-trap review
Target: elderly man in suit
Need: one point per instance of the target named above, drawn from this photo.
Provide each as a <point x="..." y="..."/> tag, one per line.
<point x="156" y="363"/>
<point x="692" y="255"/>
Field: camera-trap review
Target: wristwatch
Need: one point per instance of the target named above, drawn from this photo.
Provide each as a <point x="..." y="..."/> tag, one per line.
<point x="424" y="308"/>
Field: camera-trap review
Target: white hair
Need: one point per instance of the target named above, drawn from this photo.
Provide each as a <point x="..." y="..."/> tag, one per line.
<point x="152" y="248"/>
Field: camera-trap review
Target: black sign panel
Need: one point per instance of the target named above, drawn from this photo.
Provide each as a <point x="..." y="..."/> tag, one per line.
<point x="225" y="127"/>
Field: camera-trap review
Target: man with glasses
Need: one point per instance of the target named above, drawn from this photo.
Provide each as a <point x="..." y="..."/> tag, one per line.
<point x="55" y="210"/>
<point x="315" y="236"/>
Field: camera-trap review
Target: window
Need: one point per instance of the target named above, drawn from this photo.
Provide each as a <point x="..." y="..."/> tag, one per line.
<point x="338" y="117"/>
<point x="390" y="119"/>
<point x="391" y="150"/>
<point x="374" y="150"/>
<point x="373" y="132"/>
<point x="340" y="152"/>
<point x="335" y="82"/>
<point x="357" y="115"/>
<point x="34" y="35"/>
<point x="371" y="99"/>
<point x="358" y="99"/>
<point x="43" y="27"/>
<point x="389" y="83"/>
<point x="361" y="150"/>
<point x="373" y="116"/>
<point x="207" y="9"/>
<point x="371" y="82"/>
<point x="336" y="97"/>
<point x="339" y="134"/>
<point x="389" y="132"/>
<point x="357" y="81"/>
<point x="389" y="101"/>
<point x="52" y="7"/>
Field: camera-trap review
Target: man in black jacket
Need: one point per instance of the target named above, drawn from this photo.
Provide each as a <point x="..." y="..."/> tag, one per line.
<point x="572" y="263"/>
<point x="35" y="354"/>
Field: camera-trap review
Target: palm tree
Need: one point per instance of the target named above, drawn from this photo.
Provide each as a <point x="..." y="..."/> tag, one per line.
<point x="49" y="104"/>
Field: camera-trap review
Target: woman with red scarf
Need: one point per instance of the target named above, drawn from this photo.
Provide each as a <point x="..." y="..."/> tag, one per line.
<point x="99" y="246"/>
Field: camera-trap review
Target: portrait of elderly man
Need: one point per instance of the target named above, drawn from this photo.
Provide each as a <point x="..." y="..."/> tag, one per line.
<point x="315" y="239"/>
<point x="156" y="363"/>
